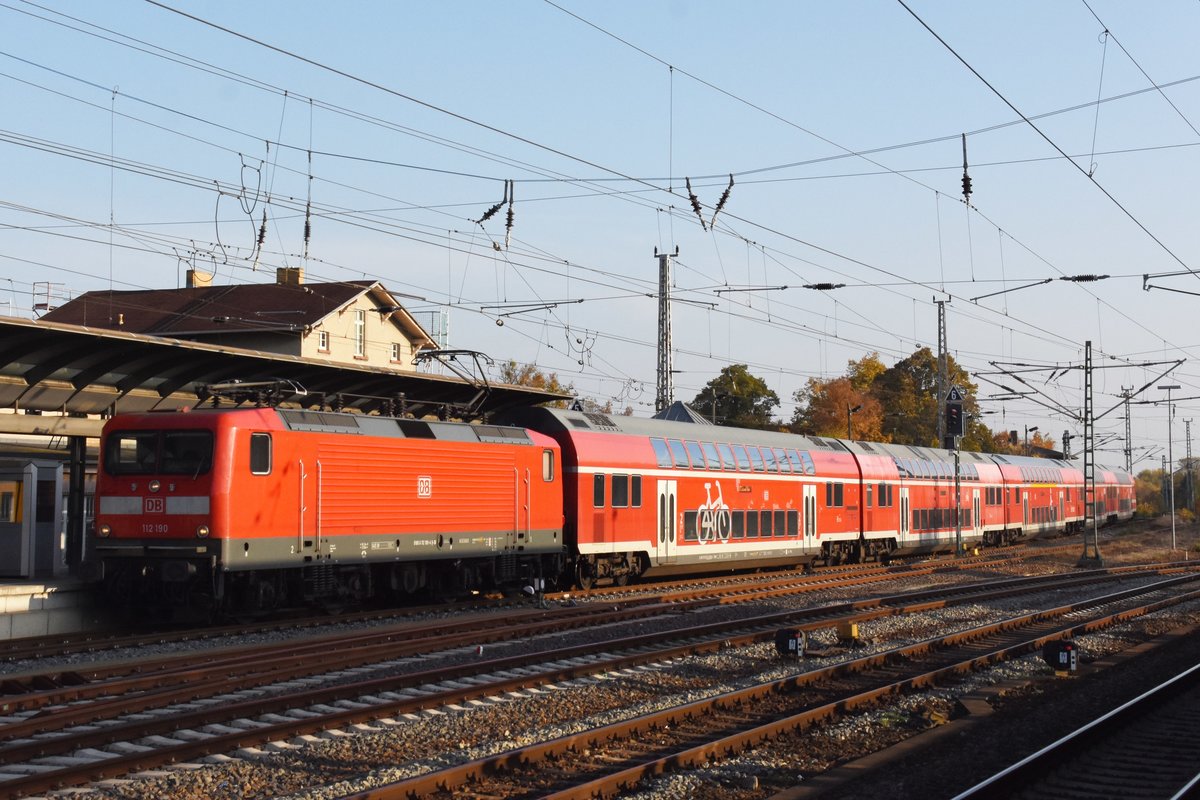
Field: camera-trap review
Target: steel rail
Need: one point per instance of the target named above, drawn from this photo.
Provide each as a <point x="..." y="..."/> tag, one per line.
<point x="223" y="743"/>
<point x="609" y="784"/>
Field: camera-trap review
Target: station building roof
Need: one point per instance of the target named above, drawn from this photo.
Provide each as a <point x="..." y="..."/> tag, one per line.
<point x="72" y="370"/>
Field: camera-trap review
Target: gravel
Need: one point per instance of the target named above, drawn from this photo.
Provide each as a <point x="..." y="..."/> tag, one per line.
<point x="334" y="765"/>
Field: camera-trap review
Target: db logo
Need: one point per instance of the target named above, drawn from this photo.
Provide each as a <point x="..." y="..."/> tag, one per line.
<point x="154" y="505"/>
<point x="424" y="486"/>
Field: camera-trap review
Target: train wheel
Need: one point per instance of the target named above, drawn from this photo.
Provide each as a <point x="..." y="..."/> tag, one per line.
<point x="585" y="574"/>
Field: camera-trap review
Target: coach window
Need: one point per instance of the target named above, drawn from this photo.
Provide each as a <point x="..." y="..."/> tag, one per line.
<point x="727" y="456"/>
<point x="869" y="488"/>
<point x="696" y="454"/>
<point x="598" y="491"/>
<point x="678" y="453"/>
<point x="782" y="459"/>
<point x="620" y="491"/>
<point x="793" y="523"/>
<point x="755" y="458"/>
<point x="751" y="525"/>
<point x="743" y="460"/>
<point x="809" y="467"/>
<point x="547" y="465"/>
<point x="662" y="453"/>
<point x="764" y="523"/>
<point x="260" y="453"/>
<point x="769" y="458"/>
<point x="797" y="464"/>
<point x="781" y="523"/>
<point x="635" y="491"/>
<point x="710" y="455"/>
<point x="739" y="524"/>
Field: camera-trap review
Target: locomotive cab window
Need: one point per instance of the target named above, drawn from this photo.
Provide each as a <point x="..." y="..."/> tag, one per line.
<point x="131" y="453"/>
<point x="598" y="491"/>
<point x="186" y="453"/>
<point x="260" y="453"/>
<point x="547" y="465"/>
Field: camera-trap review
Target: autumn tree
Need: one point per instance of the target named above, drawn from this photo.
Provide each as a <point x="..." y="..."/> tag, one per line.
<point x="534" y="377"/>
<point x="737" y="398"/>
<point x="834" y="408"/>
<point x="824" y="407"/>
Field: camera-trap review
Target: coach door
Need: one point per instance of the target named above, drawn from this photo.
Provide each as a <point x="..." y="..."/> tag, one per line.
<point x="904" y="516"/>
<point x="976" y="519"/>
<point x="667" y="499"/>
<point x="810" y="515"/>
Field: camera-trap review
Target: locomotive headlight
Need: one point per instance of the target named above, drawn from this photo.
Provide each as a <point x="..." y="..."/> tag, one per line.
<point x="202" y="531"/>
<point x="104" y="530"/>
<point x="154" y="486"/>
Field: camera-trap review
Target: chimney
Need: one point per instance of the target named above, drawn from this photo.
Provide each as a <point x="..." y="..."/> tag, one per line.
<point x="289" y="276"/>
<point x="197" y="279"/>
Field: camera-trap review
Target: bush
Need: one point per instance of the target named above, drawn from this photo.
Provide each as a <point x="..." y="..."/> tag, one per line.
<point x="1186" y="515"/>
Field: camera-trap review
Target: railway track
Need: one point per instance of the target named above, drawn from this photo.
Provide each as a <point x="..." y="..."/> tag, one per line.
<point x="1146" y="748"/>
<point x="98" y="642"/>
<point x="52" y="737"/>
<point x="607" y="761"/>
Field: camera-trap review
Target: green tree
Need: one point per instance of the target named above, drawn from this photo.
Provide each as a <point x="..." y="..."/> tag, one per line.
<point x="1148" y="487"/>
<point x="908" y="392"/>
<point x="737" y="398"/>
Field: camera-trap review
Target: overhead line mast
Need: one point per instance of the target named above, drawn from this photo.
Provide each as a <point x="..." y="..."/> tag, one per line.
<point x="665" y="390"/>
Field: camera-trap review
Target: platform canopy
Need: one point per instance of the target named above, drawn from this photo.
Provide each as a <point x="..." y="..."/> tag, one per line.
<point x="56" y="369"/>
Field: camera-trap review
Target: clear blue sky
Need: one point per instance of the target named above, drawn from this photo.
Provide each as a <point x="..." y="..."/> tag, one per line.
<point x="182" y="135"/>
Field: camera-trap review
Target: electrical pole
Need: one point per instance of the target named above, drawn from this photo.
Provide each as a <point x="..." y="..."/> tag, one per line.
<point x="1191" y="492"/>
<point x="943" y="369"/>
<point x="1125" y="392"/>
<point x="1091" y="550"/>
<point x="1170" y="472"/>
<point x="665" y="391"/>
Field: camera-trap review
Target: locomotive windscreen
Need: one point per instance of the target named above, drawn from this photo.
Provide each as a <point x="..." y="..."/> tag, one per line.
<point x="175" y="452"/>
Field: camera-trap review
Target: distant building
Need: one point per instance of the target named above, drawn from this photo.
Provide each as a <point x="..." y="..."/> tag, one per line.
<point x="351" y="322"/>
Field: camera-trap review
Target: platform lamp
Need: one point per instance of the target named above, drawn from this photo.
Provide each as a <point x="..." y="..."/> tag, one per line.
<point x="1169" y="472"/>
<point x="1029" y="430"/>
<point x="849" y="413"/>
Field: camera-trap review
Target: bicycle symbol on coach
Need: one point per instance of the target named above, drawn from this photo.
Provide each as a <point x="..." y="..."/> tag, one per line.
<point x="713" y="518"/>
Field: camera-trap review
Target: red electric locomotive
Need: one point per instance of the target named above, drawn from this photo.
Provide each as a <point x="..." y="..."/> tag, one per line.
<point x="256" y="507"/>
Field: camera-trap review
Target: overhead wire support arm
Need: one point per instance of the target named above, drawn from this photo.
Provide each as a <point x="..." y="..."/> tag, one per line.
<point x="1014" y="289"/>
<point x="1147" y="286"/>
<point x="1173" y="366"/>
<point x="728" y="289"/>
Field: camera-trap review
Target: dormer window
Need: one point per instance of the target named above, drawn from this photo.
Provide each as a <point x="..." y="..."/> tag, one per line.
<point x="323" y="341"/>
<point x="395" y="351"/>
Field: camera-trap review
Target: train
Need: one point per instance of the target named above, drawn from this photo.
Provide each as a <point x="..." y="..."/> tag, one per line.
<point x="254" y="508"/>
